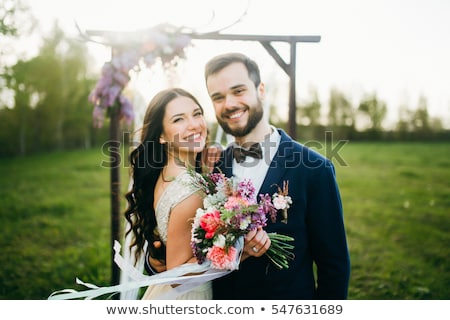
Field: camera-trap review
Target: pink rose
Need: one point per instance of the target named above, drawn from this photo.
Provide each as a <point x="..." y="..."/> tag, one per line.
<point x="235" y="203"/>
<point x="224" y="259"/>
<point x="210" y="222"/>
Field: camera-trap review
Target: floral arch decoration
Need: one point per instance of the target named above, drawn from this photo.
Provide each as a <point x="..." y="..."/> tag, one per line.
<point x="164" y="43"/>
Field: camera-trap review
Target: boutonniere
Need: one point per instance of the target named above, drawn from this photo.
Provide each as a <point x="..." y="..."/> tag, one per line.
<point x="282" y="201"/>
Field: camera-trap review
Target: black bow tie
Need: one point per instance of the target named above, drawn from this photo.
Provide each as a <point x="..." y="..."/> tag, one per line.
<point x="240" y="153"/>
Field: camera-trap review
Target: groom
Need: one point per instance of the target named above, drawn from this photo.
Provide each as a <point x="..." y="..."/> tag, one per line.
<point x="315" y="218"/>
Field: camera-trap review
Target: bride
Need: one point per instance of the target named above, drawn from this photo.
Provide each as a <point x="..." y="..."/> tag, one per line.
<point x="163" y="199"/>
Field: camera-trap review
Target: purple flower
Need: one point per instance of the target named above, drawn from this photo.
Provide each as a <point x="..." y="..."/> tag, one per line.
<point x="181" y="42"/>
<point x="267" y="206"/>
<point x="122" y="78"/>
<point x="98" y="116"/>
<point x="246" y="190"/>
<point x="126" y="109"/>
<point x="149" y="59"/>
<point x="110" y="95"/>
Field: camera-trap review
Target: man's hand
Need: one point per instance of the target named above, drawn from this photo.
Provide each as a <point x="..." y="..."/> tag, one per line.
<point x="158" y="264"/>
<point x="210" y="156"/>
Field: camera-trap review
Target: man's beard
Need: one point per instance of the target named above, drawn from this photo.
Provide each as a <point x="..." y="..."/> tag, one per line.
<point x="254" y="116"/>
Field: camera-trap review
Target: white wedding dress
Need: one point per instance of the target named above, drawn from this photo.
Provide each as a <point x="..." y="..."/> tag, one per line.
<point x="178" y="190"/>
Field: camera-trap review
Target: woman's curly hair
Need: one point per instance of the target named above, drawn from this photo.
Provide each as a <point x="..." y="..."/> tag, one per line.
<point x="146" y="163"/>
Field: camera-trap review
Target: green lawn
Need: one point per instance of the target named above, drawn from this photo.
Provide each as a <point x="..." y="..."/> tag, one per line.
<point x="396" y="201"/>
<point x="55" y="220"/>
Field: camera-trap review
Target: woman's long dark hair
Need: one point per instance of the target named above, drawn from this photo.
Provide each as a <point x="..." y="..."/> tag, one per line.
<point x="146" y="163"/>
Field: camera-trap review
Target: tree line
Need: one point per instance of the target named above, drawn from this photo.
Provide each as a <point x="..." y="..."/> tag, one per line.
<point x="363" y="121"/>
<point x="47" y="95"/>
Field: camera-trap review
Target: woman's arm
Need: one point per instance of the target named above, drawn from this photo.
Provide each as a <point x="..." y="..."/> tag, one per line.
<point x="178" y="247"/>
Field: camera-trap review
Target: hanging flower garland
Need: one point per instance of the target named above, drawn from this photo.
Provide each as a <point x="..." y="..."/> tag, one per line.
<point x="163" y="42"/>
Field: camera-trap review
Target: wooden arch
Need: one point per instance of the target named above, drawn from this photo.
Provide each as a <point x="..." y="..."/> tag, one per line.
<point x="266" y="41"/>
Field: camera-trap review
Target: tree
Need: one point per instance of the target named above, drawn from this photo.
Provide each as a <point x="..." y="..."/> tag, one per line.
<point x="12" y="17"/>
<point x="311" y="110"/>
<point x="22" y="104"/>
<point x="15" y="21"/>
<point x="341" y="112"/>
<point x="51" y="96"/>
<point x="420" y="117"/>
<point x="375" y="110"/>
<point x="404" y="120"/>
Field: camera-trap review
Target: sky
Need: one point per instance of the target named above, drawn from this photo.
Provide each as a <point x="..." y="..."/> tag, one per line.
<point x="397" y="49"/>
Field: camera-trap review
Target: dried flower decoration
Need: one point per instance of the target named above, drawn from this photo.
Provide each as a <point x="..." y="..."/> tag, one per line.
<point x="164" y="42"/>
<point x="282" y="201"/>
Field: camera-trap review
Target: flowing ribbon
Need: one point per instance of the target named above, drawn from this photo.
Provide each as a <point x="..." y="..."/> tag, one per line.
<point x="174" y="276"/>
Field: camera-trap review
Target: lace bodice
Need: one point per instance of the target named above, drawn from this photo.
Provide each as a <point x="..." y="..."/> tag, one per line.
<point x="178" y="190"/>
<point x="182" y="187"/>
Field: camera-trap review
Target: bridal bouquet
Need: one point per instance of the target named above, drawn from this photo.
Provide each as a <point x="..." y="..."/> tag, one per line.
<point x="231" y="210"/>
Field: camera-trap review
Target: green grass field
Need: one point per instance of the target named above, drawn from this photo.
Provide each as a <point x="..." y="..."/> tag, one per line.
<point x="55" y="220"/>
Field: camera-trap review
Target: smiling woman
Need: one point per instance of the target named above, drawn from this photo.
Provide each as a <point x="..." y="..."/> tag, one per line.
<point x="162" y="196"/>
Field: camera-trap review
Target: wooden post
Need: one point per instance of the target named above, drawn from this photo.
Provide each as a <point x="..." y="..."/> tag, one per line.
<point x="292" y="125"/>
<point x="289" y="68"/>
<point x="115" y="160"/>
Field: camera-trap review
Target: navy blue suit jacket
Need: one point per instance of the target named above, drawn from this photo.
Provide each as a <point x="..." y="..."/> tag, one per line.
<point x="315" y="220"/>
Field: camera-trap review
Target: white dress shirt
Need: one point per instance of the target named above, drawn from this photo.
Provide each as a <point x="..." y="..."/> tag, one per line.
<point x="256" y="169"/>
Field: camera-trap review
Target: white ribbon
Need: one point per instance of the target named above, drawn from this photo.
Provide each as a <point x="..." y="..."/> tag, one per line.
<point x="173" y="276"/>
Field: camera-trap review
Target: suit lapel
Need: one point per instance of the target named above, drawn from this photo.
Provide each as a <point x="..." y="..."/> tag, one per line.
<point x="278" y="168"/>
<point x="226" y="162"/>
